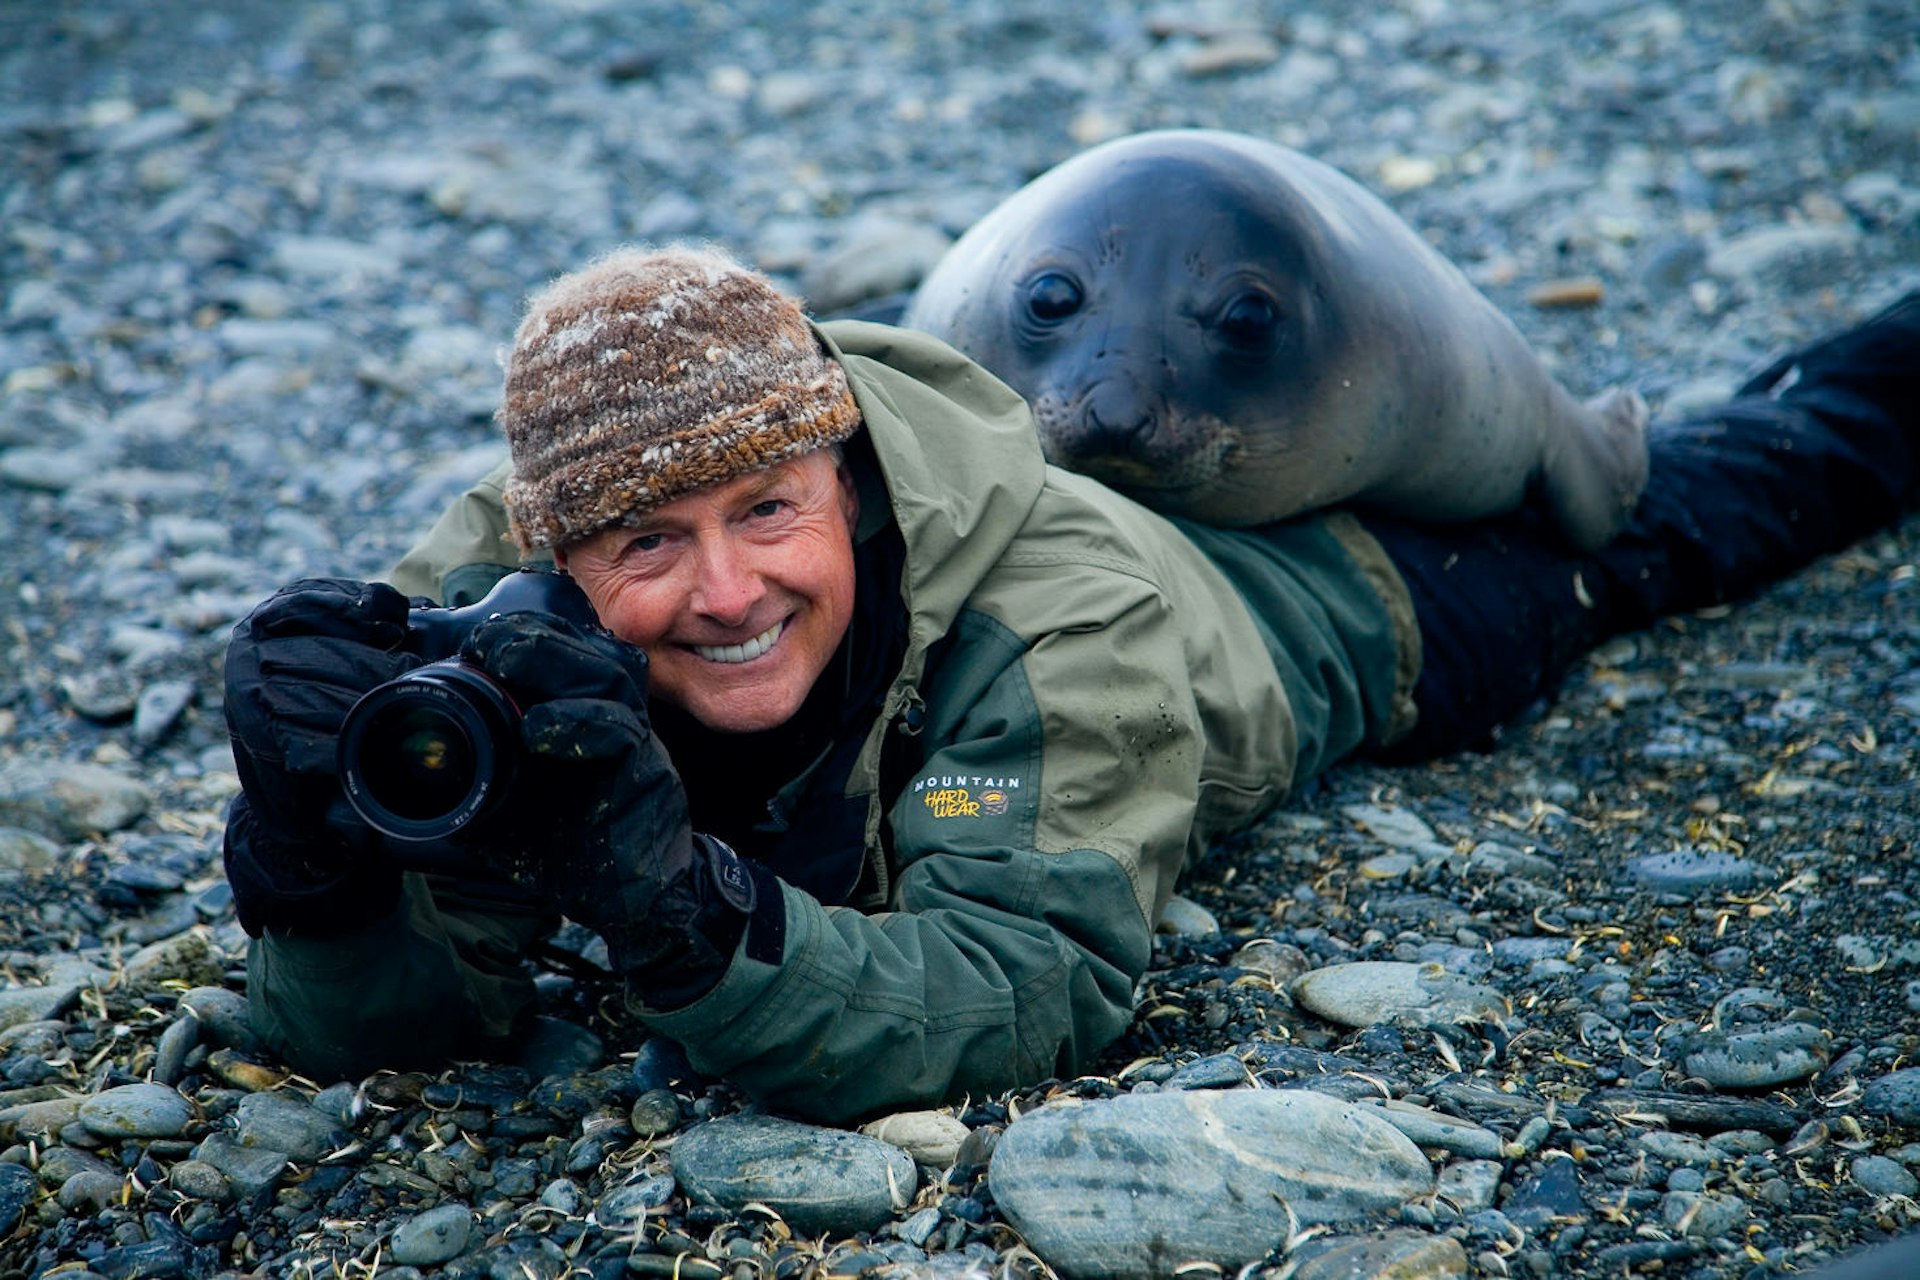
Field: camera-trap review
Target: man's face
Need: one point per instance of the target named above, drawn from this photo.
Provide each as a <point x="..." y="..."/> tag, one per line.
<point x="739" y="593"/>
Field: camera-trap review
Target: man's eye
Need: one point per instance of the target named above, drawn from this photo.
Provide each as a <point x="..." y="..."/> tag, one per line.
<point x="647" y="542"/>
<point x="762" y="510"/>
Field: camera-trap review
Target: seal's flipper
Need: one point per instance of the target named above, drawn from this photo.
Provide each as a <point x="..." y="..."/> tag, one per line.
<point x="1593" y="478"/>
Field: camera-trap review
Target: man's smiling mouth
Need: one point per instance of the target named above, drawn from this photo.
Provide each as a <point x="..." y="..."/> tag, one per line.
<point x="732" y="653"/>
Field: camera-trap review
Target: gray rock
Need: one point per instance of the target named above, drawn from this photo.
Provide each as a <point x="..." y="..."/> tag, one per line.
<point x="137" y="1111"/>
<point x="1432" y="1129"/>
<point x="818" y="1180"/>
<point x="625" y="1208"/>
<point x="249" y="1170"/>
<point x="1787" y="257"/>
<point x="431" y="1238"/>
<point x="655" y="1112"/>
<point x="170" y="1052"/>
<point x="1394" y="1255"/>
<point x="104" y="695"/>
<point x="1136" y="1185"/>
<point x="1703" y="1215"/>
<point x="1677" y="1148"/>
<point x="878" y="257"/>
<point x="223" y="1017"/>
<point x="1895" y="1095"/>
<point x="200" y="1180"/>
<point x="1366" y="992"/>
<point x="159" y="709"/>
<point x="1214" y="1071"/>
<point x="69" y="799"/>
<point x="1469" y="1185"/>
<point x="188" y="958"/>
<point x="24" y="852"/>
<point x="1694" y="872"/>
<point x="932" y="1138"/>
<point x="88" y="1192"/>
<point x="1879" y="1176"/>
<point x="1188" y="919"/>
<point x="332" y="259"/>
<point x="55" y="470"/>
<point x="1399" y="828"/>
<point x="279" y="1122"/>
<point x="1759" y="1058"/>
<point x="18" y="1187"/>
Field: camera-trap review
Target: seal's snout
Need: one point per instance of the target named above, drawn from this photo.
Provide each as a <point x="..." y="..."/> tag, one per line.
<point x="1119" y="416"/>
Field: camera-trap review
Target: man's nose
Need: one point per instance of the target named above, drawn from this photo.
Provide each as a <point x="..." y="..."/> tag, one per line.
<point x="729" y="584"/>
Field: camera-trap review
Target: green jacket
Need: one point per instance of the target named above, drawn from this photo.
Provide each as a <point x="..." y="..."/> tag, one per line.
<point x="1086" y="702"/>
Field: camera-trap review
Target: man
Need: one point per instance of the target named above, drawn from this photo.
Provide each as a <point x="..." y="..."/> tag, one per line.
<point x="925" y="729"/>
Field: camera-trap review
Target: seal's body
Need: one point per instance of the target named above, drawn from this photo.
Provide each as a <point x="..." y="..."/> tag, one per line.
<point x="1228" y="330"/>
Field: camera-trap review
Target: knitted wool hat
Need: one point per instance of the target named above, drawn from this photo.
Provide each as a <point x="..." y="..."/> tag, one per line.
<point x="650" y="374"/>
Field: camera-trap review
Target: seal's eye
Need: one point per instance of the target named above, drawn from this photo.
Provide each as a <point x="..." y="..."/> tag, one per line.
<point x="1053" y="295"/>
<point x="1248" y="321"/>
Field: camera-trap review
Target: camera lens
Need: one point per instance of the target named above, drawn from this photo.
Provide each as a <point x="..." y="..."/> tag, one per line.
<point x="426" y="754"/>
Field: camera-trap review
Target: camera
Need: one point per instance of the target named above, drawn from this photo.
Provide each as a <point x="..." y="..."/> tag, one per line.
<point x="436" y="749"/>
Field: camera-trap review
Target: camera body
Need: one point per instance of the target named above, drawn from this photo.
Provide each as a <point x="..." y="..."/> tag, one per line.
<point x="436" y="749"/>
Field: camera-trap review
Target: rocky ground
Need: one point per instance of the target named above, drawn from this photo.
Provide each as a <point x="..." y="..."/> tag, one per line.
<point x="256" y="261"/>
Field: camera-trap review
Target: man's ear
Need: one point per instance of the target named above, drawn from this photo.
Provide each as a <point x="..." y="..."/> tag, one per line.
<point x="560" y="559"/>
<point x="849" y="494"/>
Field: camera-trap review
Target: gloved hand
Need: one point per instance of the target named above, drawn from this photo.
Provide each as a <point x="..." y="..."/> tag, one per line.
<point x="297" y="857"/>
<point x="598" y="820"/>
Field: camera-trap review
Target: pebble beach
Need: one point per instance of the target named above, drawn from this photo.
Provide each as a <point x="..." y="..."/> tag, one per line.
<point x="1635" y="991"/>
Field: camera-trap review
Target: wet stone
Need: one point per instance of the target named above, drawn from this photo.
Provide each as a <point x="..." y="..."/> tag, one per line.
<point x="1759" y="1058"/>
<point x="1895" y="1095"/>
<point x="18" y="1187"/>
<point x="625" y="1207"/>
<point x="1880" y="1176"/>
<point x="1395" y="1254"/>
<point x="57" y="1164"/>
<point x="159" y="709"/>
<point x="655" y="1112"/>
<point x="1676" y="1148"/>
<point x="89" y="1191"/>
<point x="1188" y="919"/>
<point x="137" y="1111"/>
<point x="1432" y="1129"/>
<point x="1703" y="1215"/>
<point x="292" y="1126"/>
<point x="1552" y="1195"/>
<point x="170" y="1051"/>
<point x="1694" y="872"/>
<point x="1711" y="1113"/>
<point x="24" y="852"/>
<point x="431" y="1238"/>
<point x="1470" y="1185"/>
<point x="200" y="1180"/>
<point x="1215" y="1071"/>
<point x="1398" y="828"/>
<point x="69" y="800"/>
<point x="818" y="1180"/>
<point x="33" y="1004"/>
<point x="932" y="1138"/>
<point x="249" y="1170"/>
<point x="1363" y="993"/>
<point x="1219" y="1176"/>
<point x="223" y="1017"/>
<point x="159" y="1259"/>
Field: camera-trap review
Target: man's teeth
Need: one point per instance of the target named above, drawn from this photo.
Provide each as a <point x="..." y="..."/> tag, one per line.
<point x="742" y="652"/>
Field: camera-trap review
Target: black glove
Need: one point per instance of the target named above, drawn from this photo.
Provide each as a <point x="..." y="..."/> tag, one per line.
<point x="296" y="855"/>
<point x="598" y="821"/>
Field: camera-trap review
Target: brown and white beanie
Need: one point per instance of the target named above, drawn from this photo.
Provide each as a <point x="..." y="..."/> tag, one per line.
<point x="653" y="373"/>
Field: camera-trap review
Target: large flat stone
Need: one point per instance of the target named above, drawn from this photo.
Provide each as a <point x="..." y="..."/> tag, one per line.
<point x="1138" y="1185"/>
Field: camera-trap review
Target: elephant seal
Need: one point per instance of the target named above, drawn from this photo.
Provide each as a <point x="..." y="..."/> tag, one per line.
<point x="1230" y="331"/>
